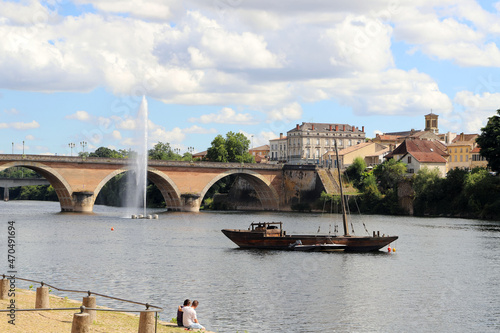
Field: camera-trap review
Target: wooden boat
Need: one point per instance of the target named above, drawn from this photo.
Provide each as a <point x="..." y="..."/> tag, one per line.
<point x="270" y="235"/>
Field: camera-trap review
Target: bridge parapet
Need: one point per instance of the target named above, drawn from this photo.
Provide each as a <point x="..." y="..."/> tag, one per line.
<point x="125" y="161"/>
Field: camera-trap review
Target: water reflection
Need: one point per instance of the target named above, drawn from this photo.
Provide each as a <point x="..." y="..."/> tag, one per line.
<point x="442" y="277"/>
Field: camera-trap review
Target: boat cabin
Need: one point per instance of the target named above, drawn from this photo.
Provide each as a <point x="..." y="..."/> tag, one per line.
<point x="269" y="229"/>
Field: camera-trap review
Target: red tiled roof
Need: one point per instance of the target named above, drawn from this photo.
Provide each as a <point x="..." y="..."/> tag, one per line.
<point x="428" y="157"/>
<point x="386" y="137"/>
<point x="467" y="137"/>
<point x="476" y="150"/>
<point x="421" y="146"/>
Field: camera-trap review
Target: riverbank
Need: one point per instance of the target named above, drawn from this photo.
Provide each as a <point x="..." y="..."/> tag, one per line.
<point x="60" y="321"/>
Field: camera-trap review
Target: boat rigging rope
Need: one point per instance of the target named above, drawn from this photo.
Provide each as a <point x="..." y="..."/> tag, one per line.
<point x="364" y="225"/>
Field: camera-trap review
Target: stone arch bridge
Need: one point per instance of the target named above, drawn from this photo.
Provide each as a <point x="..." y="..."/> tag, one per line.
<point x="77" y="181"/>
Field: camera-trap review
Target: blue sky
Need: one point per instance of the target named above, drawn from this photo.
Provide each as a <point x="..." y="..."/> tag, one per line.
<point x="76" y="71"/>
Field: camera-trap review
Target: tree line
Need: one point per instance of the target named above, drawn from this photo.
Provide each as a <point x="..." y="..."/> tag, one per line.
<point x="462" y="193"/>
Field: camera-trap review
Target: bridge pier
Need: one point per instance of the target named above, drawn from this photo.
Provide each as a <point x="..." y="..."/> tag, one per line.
<point x="83" y="202"/>
<point x="5" y="193"/>
<point x="190" y="202"/>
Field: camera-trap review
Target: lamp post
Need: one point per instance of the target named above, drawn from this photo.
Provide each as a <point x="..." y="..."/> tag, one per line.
<point x="83" y="144"/>
<point x="71" y="146"/>
<point x="190" y="150"/>
<point x="12" y="148"/>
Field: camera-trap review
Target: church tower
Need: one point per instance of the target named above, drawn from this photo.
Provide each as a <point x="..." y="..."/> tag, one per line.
<point x="431" y="123"/>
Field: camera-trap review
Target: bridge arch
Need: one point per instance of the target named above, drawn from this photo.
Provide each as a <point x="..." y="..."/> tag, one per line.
<point x="167" y="187"/>
<point x="60" y="185"/>
<point x="266" y="193"/>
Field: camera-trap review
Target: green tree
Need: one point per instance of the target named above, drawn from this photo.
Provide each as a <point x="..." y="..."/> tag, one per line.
<point x="355" y="171"/>
<point x="105" y="152"/>
<point x="489" y="141"/>
<point x="163" y="151"/>
<point x="427" y="185"/>
<point x="389" y="173"/>
<point x="233" y="148"/>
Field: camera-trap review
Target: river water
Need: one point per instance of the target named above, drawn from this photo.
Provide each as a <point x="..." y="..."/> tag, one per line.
<point x="443" y="277"/>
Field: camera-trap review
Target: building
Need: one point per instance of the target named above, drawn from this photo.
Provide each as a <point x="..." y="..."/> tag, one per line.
<point x="309" y="142"/>
<point x="372" y="153"/>
<point x="431" y="123"/>
<point x="477" y="161"/>
<point x="460" y="151"/>
<point x="418" y="153"/>
<point x="201" y="155"/>
<point x="261" y="150"/>
<point x="260" y="153"/>
<point x="278" y="149"/>
<point x="418" y="160"/>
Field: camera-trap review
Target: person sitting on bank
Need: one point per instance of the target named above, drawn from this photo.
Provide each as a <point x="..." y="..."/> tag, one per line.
<point x="187" y="302"/>
<point x="189" y="319"/>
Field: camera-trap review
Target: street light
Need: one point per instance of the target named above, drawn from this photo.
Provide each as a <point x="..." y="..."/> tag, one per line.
<point x="71" y="146"/>
<point x="23" y="147"/>
<point x="83" y="144"/>
<point x="12" y="148"/>
<point x="190" y="150"/>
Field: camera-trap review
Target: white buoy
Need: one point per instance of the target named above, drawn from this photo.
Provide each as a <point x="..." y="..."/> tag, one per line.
<point x="134" y="216"/>
<point x="155" y="216"/>
<point x="149" y="217"/>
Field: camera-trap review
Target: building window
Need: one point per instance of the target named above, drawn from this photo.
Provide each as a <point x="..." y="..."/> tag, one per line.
<point x="455" y="158"/>
<point x="317" y="142"/>
<point x="461" y="157"/>
<point x="409" y="159"/>
<point x="308" y="141"/>
<point x="411" y="171"/>
<point x="466" y="158"/>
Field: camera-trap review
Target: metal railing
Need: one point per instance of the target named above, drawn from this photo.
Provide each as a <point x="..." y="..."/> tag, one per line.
<point x="82" y="308"/>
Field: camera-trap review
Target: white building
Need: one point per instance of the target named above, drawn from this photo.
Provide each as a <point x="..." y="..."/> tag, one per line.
<point x="278" y="149"/>
<point x="307" y="143"/>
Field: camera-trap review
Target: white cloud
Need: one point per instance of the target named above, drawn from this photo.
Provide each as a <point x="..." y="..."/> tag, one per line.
<point x="195" y="129"/>
<point x="224" y="116"/>
<point x="80" y="115"/>
<point x="117" y="135"/>
<point x="12" y="111"/>
<point x="477" y="108"/>
<point x="386" y="93"/>
<point x="458" y="32"/>
<point x="287" y="113"/>
<point x="160" y="134"/>
<point x="20" y="126"/>
<point x="151" y="9"/>
<point x="30" y="137"/>
<point x="251" y="54"/>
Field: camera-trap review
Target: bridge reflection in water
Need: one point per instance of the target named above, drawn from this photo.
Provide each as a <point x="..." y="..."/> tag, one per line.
<point x="77" y="181"/>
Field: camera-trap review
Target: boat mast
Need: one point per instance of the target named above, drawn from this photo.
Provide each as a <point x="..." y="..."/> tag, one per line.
<point x="342" y="200"/>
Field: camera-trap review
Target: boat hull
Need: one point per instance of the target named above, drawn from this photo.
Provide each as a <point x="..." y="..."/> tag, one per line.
<point x="257" y="240"/>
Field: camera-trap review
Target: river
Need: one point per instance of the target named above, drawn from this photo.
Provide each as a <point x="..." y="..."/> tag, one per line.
<point x="443" y="277"/>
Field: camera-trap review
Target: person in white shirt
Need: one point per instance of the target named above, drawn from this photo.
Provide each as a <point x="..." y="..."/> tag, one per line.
<point x="189" y="319"/>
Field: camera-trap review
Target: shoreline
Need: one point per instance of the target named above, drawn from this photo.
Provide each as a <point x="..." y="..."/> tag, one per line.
<point x="61" y="321"/>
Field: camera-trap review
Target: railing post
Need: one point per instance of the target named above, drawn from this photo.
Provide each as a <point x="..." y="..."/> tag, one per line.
<point x="90" y="302"/>
<point x="42" y="297"/>
<point x="147" y="321"/>
<point x="81" y="322"/>
<point x="4" y="288"/>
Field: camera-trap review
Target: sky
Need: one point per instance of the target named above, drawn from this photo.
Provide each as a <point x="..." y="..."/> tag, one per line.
<point x="76" y="71"/>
